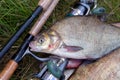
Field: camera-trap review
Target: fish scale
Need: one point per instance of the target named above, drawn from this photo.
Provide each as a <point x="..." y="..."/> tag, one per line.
<point x="95" y="37"/>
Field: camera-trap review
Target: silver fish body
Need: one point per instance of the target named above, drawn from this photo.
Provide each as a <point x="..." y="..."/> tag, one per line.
<point x="106" y="68"/>
<point x="96" y="38"/>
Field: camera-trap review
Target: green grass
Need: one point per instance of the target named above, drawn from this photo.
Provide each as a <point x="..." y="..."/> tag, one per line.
<point x="112" y="9"/>
<point x="13" y="13"/>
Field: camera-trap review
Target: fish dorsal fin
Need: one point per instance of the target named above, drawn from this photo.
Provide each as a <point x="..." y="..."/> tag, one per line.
<point x="116" y="24"/>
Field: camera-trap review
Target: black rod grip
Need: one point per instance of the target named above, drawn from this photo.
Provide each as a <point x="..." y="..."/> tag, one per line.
<point x="19" y="54"/>
<point x="13" y="39"/>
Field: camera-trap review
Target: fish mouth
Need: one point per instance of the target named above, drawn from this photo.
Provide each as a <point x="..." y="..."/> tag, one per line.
<point x="32" y="47"/>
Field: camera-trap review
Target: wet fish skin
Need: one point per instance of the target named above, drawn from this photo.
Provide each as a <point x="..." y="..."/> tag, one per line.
<point x="95" y="37"/>
<point x="106" y="68"/>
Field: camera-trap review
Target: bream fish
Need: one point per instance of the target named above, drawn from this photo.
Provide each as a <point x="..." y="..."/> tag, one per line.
<point x="78" y="38"/>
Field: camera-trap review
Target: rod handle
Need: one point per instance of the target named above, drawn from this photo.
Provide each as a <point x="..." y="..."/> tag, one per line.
<point x="8" y="71"/>
<point x="43" y="18"/>
<point x="45" y="3"/>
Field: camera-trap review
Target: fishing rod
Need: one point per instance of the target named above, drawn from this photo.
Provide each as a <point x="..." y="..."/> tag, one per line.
<point x="23" y="50"/>
<point x="42" y="6"/>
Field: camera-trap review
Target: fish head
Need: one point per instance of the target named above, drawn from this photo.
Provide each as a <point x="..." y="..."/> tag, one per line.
<point x="45" y="42"/>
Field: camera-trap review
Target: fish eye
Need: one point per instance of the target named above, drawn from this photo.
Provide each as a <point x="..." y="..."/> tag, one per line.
<point x="41" y="41"/>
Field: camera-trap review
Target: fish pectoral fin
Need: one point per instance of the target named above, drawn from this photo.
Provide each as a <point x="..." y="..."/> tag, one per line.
<point x="116" y="24"/>
<point x="72" y="48"/>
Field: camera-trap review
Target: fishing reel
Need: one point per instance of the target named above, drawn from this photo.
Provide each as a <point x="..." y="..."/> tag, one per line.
<point x="86" y="7"/>
<point x="53" y="67"/>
